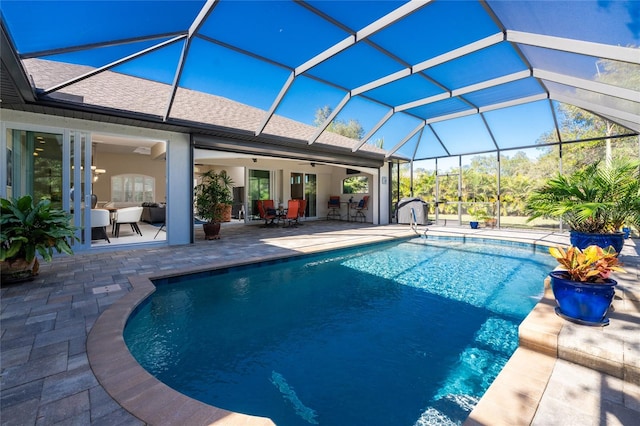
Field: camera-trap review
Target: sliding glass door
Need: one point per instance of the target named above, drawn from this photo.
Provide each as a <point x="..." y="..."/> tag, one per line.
<point x="54" y="165"/>
<point x="81" y="185"/>
<point x="260" y="188"/>
<point x="303" y="186"/>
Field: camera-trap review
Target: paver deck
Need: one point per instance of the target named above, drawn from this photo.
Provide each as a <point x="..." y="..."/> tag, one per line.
<point x="50" y="331"/>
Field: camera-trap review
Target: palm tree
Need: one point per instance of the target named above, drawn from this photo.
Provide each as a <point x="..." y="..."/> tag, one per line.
<point x="600" y="198"/>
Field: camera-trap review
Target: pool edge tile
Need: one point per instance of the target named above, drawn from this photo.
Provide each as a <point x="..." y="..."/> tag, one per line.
<point x="133" y="387"/>
<point x="522" y="396"/>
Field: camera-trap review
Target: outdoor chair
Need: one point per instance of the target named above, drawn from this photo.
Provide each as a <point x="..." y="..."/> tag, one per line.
<point x="128" y="215"/>
<point x="334" y="207"/>
<point x="267" y="212"/>
<point x="362" y="205"/>
<point x="302" y="211"/>
<point x="291" y="217"/>
<point x="100" y="219"/>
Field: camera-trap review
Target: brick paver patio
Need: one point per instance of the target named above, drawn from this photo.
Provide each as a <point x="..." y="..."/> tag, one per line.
<point x="46" y="377"/>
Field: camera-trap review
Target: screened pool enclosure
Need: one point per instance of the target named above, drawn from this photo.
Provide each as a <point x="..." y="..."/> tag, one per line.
<point x="469" y="102"/>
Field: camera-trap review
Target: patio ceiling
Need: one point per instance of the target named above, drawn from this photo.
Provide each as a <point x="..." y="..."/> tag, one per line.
<point x="424" y="79"/>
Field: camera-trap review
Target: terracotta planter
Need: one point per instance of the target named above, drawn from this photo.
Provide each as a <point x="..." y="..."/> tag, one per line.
<point x="224" y="211"/>
<point x="211" y="231"/>
<point x="18" y="270"/>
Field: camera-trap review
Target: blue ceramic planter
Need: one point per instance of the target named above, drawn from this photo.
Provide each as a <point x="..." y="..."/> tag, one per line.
<point x="583" y="240"/>
<point x="583" y="303"/>
<point x="473" y="224"/>
<point x="626" y="232"/>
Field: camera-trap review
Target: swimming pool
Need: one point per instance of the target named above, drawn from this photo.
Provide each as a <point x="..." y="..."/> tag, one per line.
<point x="401" y="333"/>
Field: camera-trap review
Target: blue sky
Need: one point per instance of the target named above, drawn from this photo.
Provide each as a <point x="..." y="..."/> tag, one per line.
<point x="289" y="35"/>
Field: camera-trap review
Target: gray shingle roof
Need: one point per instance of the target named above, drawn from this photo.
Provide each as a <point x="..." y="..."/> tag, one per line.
<point x="126" y="93"/>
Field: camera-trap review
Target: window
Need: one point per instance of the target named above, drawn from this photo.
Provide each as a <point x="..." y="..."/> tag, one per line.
<point x="133" y="188"/>
<point x="355" y="185"/>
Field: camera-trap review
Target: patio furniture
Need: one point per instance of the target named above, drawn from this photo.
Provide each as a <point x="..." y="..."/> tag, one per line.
<point x="291" y="217"/>
<point x="362" y="205"/>
<point x="334" y="207"/>
<point x="267" y="212"/>
<point x="302" y="211"/>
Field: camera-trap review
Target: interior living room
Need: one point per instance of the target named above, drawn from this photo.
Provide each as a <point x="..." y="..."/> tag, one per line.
<point x="129" y="178"/>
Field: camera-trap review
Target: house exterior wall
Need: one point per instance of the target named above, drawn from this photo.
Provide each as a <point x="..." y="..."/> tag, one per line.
<point x="371" y="213"/>
<point x="174" y="176"/>
<point x="384" y="195"/>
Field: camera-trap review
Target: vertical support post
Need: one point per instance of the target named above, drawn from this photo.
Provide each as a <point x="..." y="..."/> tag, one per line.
<point x="561" y="171"/>
<point x="437" y="202"/>
<point x="460" y="189"/>
<point x="499" y="195"/>
<point x="411" y="178"/>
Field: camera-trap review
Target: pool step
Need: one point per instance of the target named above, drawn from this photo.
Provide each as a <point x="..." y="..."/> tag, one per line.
<point x="603" y="349"/>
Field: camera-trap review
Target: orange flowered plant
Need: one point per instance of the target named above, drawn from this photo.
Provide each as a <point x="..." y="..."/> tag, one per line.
<point x="593" y="264"/>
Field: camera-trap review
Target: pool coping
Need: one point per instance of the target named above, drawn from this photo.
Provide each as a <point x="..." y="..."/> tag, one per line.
<point x="154" y="402"/>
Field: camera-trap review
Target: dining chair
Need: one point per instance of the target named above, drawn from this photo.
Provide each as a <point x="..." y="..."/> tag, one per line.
<point x="128" y="215"/>
<point x="100" y="219"/>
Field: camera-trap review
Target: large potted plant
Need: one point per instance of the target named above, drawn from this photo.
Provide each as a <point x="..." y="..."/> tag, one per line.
<point x="28" y="229"/>
<point x="595" y="202"/>
<point x="213" y="199"/>
<point x="582" y="287"/>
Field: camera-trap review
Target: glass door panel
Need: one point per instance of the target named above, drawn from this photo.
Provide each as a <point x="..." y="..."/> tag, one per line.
<point x="80" y="186"/>
<point x="297" y="187"/>
<point x="303" y="186"/>
<point x="259" y="189"/>
<point x="47" y="167"/>
<point x="311" y="195"/>
<point x="34" y="165"/>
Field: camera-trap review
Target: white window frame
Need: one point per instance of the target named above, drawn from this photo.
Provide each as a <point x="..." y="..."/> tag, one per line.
<point x="144" y="196"/>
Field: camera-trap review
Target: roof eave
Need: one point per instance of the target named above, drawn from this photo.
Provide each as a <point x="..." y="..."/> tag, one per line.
<point x="15" y="72"/>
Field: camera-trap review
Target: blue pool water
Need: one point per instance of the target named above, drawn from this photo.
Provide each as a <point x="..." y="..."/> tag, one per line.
<point x="408" y="333"/>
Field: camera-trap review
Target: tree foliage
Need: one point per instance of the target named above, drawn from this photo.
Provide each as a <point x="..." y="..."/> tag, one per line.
<point x="351" y="129"/>
<point x="522" y="172"/>
<point x="355" y="185"/>
<point x="600" y="198"/>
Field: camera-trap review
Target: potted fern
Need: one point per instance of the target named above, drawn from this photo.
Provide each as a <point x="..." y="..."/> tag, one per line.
<point x="213" y="201"/>
<point x="28" y="229"/>
<point x="582" y="286"/>
<point x="595" y="202"/>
